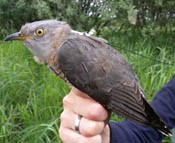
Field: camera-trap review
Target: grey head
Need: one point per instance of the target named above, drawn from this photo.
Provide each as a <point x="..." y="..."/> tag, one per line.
<point x="41" y="37"/>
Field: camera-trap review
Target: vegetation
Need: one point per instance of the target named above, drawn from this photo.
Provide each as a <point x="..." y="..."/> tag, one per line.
<point x="31" y="96"/>
<point x="87" y="14"/>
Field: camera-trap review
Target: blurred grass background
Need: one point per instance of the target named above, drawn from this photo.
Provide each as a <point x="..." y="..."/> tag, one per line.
<point x="31" y="96"/>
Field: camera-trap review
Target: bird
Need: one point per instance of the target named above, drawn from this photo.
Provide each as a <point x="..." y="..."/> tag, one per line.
<point x="91" y="65"/>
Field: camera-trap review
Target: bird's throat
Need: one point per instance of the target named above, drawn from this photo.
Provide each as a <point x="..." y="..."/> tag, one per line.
<point x="53" y="65"/>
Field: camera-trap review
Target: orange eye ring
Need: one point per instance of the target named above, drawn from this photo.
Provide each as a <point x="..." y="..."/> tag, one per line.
<point x="39" y="32"/>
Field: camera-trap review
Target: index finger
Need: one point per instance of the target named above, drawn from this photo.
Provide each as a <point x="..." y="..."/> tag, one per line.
<point x="82" y="104"/>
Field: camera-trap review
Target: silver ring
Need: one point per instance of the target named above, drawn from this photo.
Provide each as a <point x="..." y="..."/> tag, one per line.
<point x="77" y="123"/>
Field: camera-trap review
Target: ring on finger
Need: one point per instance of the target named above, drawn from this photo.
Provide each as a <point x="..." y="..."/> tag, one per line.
<point x="77" y="123"/>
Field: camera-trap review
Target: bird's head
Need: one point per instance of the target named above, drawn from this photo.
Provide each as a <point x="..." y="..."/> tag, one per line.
<point x="42" y="37"/>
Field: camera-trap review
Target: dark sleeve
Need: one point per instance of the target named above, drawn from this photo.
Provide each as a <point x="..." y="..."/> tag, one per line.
<point x="130" y="132"/>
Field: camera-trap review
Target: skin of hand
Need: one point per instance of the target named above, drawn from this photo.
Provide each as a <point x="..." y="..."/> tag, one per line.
<point x="92" y="125"/>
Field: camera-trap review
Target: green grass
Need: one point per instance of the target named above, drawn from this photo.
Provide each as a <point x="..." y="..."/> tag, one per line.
<point x="31" y="97"/>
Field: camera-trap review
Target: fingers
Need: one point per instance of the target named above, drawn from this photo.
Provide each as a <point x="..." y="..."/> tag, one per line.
<point x="92" y="124"/>
<point x="87" y="127"/>
<point x="69" y="136"/>
<point x="90" y="127"/>
<point x="83" y="105"/>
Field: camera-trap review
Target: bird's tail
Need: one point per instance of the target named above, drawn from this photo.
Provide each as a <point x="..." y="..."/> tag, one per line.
<point x="155" y="121"/>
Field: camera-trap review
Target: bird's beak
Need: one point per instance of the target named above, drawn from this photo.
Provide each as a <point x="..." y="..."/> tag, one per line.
<point x="16" y="36"/>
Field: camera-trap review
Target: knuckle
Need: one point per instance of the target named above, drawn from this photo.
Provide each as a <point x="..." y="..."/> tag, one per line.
<point x="64" y="117"/>
<point x="61" y="132"/>
<point x="66" y="100"/>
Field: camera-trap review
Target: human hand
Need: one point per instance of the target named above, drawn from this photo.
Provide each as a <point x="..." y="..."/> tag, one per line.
<point x="92" y="127"/>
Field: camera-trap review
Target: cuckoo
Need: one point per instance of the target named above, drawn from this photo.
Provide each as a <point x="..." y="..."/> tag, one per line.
<point x="92" y="66"/>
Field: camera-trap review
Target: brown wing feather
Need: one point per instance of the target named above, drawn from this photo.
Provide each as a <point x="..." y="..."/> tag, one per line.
<point x="103" y="73"/>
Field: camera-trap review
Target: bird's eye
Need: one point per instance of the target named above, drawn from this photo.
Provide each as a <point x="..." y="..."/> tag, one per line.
<point x="39" y="32"/>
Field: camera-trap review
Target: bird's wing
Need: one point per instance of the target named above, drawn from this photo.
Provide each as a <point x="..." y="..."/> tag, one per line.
<point x="100" y="71"/>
